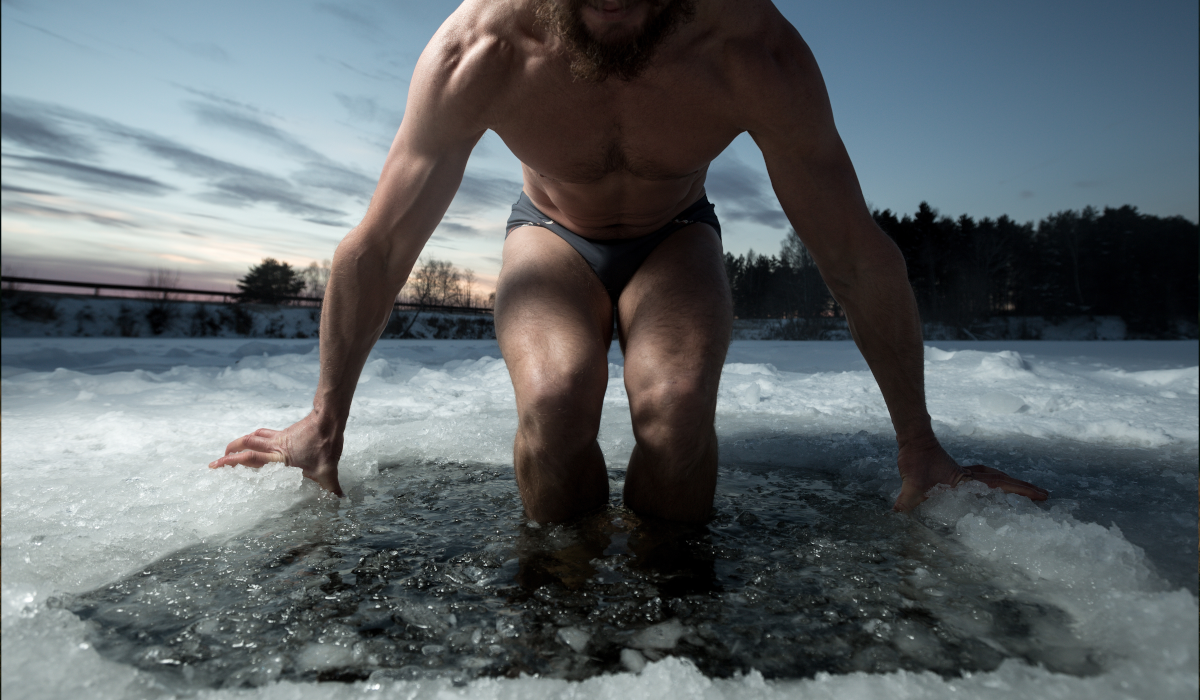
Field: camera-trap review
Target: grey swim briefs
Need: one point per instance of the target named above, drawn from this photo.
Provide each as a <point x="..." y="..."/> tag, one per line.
<point x="613" y="261"/>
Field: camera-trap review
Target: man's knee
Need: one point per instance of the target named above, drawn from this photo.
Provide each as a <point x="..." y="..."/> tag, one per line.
<point x="557" y="401"/>
<point x="671" y="410"/>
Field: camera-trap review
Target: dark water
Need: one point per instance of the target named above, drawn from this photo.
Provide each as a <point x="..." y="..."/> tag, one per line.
<point x="431" y="570"/>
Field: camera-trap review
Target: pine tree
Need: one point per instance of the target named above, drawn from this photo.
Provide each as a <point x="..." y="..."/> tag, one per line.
<point x="270" y="282"/>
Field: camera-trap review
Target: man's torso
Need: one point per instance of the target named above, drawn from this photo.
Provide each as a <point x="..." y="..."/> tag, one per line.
<point x="617" y="159"/>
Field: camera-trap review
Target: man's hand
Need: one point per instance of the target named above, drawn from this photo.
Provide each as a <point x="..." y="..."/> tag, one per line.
<point x="315" y="451"/>
<point x="922" y="468"/>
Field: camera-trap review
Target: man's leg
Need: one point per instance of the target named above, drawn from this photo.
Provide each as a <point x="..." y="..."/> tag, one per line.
<point x="554" y="323"/>
<point x="675" y="318"/>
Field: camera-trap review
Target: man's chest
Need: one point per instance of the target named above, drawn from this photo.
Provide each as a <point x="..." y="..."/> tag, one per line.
<point x="661" y="129"/>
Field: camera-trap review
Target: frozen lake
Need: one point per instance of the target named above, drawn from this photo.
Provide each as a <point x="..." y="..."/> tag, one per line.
<point x="131" y="570"/>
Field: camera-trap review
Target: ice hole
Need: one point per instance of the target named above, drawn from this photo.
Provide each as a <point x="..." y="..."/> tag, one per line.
<point x="417" y="575"/>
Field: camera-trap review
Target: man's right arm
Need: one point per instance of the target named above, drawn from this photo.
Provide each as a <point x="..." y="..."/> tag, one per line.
<point x="445" y="116"/>
<point x="788" y="114"/>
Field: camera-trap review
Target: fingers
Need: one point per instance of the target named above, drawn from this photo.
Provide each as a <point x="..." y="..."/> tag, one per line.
<point x="299" y="446"/>
<point x="247" y="458"/>
<point x="253" y="450"/>
<point x="997" y="479"/>
<point x="245" y="442"/>
<point x="912" y="495"/>
<point x="259" y="444"/>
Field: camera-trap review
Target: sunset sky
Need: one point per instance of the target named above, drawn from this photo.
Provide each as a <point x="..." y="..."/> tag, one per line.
<point x="205" y="136"/>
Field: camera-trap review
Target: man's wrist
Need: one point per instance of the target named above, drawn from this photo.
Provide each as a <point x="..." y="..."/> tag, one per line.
<point x="328" y="422"/>
<point x="918" y="437"/>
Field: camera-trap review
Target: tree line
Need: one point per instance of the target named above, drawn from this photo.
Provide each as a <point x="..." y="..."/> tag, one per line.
<point x="1115" y="262"/>
<point x="432" y="283"/>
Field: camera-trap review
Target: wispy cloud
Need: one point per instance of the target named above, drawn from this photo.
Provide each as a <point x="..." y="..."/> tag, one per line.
<point x="742" y="194"/>
<point x="336" y="178"/>
<point x="334" y="223"/>
<point x="38" y="127"/>
<point x="202" y="49"/>
<point x="252" y="187"/>
<point x="250" y="124"/>
<point x="452" y="228"/>
<point x="374" y="74"/>
<point x="447" y="230"/>
<point x="47" y="32"/>
<point x="318" y="171"/>
<point x="222" y="99"/>
<point x="100" y="178"/>
<point x="40" y="132"/>
<point x="60" y="139"/>
<point x="482" y="192"/>
<point x="46" y="211"/>
<point x="5" y="187"/>
<point x="358" y="21"/>
<point x="368" y="109"/>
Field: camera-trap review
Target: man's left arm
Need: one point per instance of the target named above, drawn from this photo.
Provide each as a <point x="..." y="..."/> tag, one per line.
<point x="811" y="173"/>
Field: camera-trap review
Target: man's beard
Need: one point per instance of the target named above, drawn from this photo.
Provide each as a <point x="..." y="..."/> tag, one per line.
<point x="594" y="60"/>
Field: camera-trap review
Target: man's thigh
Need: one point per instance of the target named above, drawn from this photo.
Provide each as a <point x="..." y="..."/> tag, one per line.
<point x="675" y="319"/>
<point x="553" y="318"/>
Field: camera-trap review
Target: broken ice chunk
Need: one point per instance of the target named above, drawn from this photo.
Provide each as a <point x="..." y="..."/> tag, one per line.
<point x="575" y="638"/>
<point x="661" y="636"/>
<point x="632" y="660"/>
<point x="1001" y="402"/>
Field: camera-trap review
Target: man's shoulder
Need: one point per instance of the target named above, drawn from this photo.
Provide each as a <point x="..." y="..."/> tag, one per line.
<point x="473" y="57"/>
<point x="767" y="65"/>
<point x="754" y="36"/>
<point x="495" y="30"/>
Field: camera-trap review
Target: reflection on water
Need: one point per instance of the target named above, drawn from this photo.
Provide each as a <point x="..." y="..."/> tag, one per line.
<point x="431" y="570"/>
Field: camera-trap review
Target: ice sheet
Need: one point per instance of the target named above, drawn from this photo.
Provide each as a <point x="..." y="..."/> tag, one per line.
<point x="105" y="442"/>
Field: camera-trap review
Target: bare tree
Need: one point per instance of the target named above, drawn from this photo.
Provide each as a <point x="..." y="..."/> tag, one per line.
<point x="468" y="278"/>
<point x="11" y="286"/>
<point x="435" y="283"/>
<point x="162" y="311"/>
<point x="165" y="280"/>
<point x="422" y="284"/>
<point x="316" y="278"/>
<point x="449" y="287"/>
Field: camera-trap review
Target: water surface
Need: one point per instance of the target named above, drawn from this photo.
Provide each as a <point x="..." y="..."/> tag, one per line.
<point x="431" y="570"/>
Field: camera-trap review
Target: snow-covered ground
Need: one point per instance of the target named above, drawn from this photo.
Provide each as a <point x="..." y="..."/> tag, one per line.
<point x="120" y="549"/>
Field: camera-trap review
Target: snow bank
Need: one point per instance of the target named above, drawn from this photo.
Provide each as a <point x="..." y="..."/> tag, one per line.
<point x="30" y="314"/>
<point x="33" y="315"/>
<point x="987" y="393"/>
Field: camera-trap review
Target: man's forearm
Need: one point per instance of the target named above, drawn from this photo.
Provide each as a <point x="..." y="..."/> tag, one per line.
<point x="358" y="303"/>
<point x="883" y="318"/>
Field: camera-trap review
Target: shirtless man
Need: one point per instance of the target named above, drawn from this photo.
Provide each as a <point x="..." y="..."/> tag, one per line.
<point x="615" y="109"/>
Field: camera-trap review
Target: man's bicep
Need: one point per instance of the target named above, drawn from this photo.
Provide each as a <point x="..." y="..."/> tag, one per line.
<point x="413" y="194"/>
<point x="819" y="192"/>
<point x="454" y="88"/>
<point x="425" y="164"/>
<point x="791" y="120"/>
